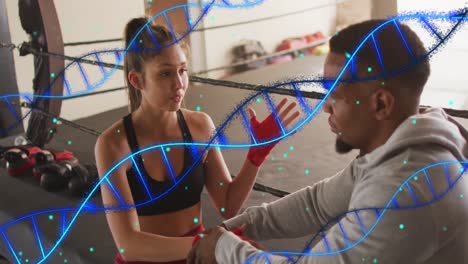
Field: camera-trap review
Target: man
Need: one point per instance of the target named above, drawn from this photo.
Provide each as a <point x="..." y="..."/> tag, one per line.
<point x="425" y="220"/>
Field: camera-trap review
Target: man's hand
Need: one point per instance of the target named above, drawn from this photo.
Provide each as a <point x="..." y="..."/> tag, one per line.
<point x="203" y="251"/>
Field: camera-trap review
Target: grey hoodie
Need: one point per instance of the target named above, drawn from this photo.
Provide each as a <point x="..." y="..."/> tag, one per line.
<point x="420" y="220"/>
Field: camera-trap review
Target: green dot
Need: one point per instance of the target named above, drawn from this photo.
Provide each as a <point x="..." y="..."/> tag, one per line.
<point x="291" y="148"/>
<point x="51" y="131"/>
<point x="414" y="121"/>
<point x="336" y="33"/>
<point x="405" y="162"/>
<point x="444" y="228"/>
<point x="168" y="149"/>
<point x="198" y="108"/>
<point x="272" y="158"/>
<point x="186" y="188"/>
<point x="301" y="55"/>
<point x="91" y="249"/>
<point x="453" y="135"/>
<point x="383" y="83"/>
<point x="118" y="130"/>
<point x="402" y="226"/>
<point x="218" y="148"/>
<point x="54" y="120"/>
<point x="347" y="55"/>
<point x="233" y="35"/>
<point x="306" y="171"/>
<point x="221" y="184"/>
<point x="65" y="261"/>
<point x="259" y="100"/>
<point x="357" y="102"/>
<point x="150" y="1"/>
<point x="52" y="75"/>
<point x="369" y="69"/>
<point x="307" y="209"/>
<point x="60" y="253"/>
<point x="27" y="260"/>
<point x="35" y="33"/>
<point x="69" y="142"/>
<point x="51" y="217"/>
<point x="450" y="102"/>
<point x="339" y="133"/>
<point x="461" y="196"/>
<point x="212" y="17"/>
<point x="195" y="220"/>
<point x="201" y="95"/>
<point x="375" y="260"/>
<point x="202" y="235"/>
<point x="363" y="259"/>
<point x="122" y="250"/>
<point x="415" y="178"/>
<point x="141" y="41"/>
<point x="222" y="209"/>
<point x="190" y="21"/>
<point x="285" y="155"/>
<point x="280" y="168"/>
<point x="462" y="169"/>
<point x="20" y="253"/>
<point x="401" y="189"/>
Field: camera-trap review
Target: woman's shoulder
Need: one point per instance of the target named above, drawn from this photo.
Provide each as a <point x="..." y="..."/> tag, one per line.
<point x="197" y="118"/>
<point x="113" y="137"/>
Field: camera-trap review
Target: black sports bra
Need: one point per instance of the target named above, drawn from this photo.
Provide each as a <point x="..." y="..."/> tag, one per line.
<point x="167" y="197"/>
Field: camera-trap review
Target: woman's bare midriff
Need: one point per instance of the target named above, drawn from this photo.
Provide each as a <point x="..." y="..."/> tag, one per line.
<point x="172" y="224"/>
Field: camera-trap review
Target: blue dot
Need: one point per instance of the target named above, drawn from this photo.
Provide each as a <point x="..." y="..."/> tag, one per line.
<point x="190" y="21"/>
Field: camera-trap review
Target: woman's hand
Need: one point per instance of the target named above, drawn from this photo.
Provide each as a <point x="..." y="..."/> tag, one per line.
<point x="269" y="129"/>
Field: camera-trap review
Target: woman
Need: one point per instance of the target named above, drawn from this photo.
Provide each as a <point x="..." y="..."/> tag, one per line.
<point x="163" y="230"/>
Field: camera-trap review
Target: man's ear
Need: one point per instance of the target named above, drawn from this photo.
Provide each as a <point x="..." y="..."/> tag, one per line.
<point x="383" y="104"/>
<point x="135" y="79"/>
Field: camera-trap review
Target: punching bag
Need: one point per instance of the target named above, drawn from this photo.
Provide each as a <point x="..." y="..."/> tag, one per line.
<point x="39" y="19"/>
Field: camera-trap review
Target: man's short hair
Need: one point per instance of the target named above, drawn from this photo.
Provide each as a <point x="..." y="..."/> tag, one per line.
<point x="394" y="53"/>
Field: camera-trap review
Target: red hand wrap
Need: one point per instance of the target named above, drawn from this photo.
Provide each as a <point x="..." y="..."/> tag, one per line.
<point x="265" y="131"/>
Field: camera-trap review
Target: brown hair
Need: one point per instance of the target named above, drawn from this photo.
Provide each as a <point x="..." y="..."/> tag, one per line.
<point x="395" y="55"/>
<point x="142" y="50"/>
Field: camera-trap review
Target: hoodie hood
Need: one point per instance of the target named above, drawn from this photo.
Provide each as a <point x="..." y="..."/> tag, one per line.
<point x="433" y="126"/>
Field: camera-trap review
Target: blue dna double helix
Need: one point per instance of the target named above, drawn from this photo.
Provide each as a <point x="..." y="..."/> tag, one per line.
<point x="238" y="115"/>
<point x="115" y="57"/>
<point x="439" y="178"/>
